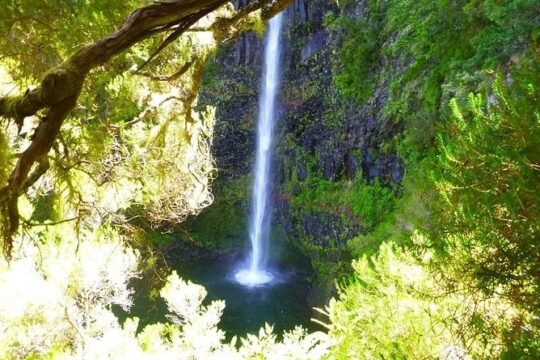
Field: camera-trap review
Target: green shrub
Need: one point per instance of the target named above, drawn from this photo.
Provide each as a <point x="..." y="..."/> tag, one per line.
<point x="394" y="308"/>
<point x="364" y="203"/>
<point x="372" y="203"/>
<point x="359" y="51"/>
<point x="488" y="176"/>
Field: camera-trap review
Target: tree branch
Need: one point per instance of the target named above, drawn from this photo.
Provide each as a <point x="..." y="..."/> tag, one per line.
<point x="59" y="90"/>
<point x="168" y="78"/>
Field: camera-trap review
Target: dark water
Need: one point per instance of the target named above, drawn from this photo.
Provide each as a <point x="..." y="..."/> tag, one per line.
<point x="283" y="303"/>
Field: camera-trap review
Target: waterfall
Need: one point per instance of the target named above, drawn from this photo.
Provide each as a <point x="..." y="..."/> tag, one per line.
<point x="255" y="273"/>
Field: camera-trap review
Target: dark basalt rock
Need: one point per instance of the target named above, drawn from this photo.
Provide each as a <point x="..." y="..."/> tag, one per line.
<point x="351" y="165"/>
<point x="301" y="7"/>
<point x="185" y="250"/>
<point x="313" y="45"/>
<point x="327" y="230"/>
<point x="319" y="132"/>
<point x="302" y="170"/>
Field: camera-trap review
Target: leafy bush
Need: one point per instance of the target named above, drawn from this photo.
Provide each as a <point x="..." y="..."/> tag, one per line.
<point x="368" y="204"/>
<point x="489" y="181"/>
<point x="56" y="303"/>
<point x="395" y="308"/>
<point x="359" y="51"/>
<point x="373" y="203"/>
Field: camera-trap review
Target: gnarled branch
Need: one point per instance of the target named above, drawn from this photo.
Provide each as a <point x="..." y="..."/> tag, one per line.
<point x="59" y="90"/>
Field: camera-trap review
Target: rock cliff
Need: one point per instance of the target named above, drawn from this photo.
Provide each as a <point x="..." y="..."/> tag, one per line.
<point x="326" y="144"/>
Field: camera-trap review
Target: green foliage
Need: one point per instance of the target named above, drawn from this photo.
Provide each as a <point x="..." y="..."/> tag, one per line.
<point x="485" y="233"/>
<point x="224" y="90"/>
<point x="159" y="238"/>
<point x="508" y="28"/>
<point x="44" y="208"/>
<point x="330" y="262"/>
<point x="40" y="33"/>
<point x="223" y="224"/>
<point x="6" y="158"/>
<point x="380" y="312"/>
<point x="56" y="304"/>
<point x="395" y="308"/>
<point x="368" y="204"/>
<point x="412" y="211"/>
<point x="427" y="51"/>
<point x="359" y="51"/>
<point x="372" y="203"/>
<point x="128" y="146"/>
<point x="489" y="181"/>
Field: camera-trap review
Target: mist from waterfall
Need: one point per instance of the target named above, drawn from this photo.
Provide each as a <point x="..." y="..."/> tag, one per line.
<point x="256" y="272"/>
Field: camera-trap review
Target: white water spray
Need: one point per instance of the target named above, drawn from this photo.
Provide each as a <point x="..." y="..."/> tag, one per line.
<point x="256" y="274"/>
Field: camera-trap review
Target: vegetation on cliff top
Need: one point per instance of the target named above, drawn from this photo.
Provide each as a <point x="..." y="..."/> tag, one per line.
<point x="469" y="71"/>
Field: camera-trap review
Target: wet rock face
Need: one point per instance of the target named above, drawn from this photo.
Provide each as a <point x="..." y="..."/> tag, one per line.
<point x="319" y="132"/>
<point x="301" y="8"/>
<point x="322" y="134"/>
<point x="247" y="50"/>
<point x="231" y="85"/>
<point x="315" y="43"/>
<point x="323" y="229"/>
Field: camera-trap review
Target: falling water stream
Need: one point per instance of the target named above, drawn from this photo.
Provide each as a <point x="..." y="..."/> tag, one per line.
<point x="255" y="272"/>
<point x="269" y="285"/>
